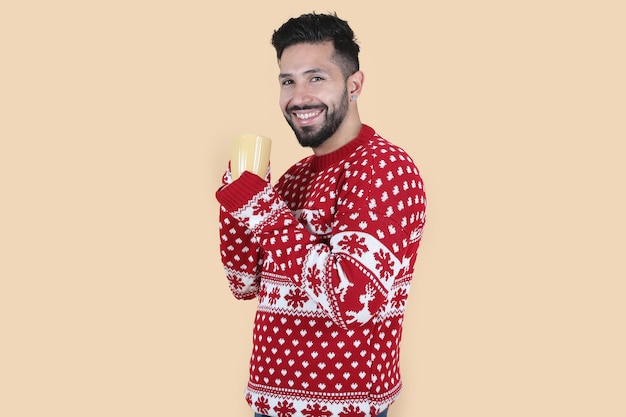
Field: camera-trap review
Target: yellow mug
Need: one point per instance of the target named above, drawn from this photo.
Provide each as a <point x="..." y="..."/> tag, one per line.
<point x="250" y="152"/>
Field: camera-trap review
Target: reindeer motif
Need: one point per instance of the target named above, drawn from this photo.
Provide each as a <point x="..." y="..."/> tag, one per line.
<point x="344" y="284"/>
<point x="364" y="314"/>
<point x="268" y="263"/>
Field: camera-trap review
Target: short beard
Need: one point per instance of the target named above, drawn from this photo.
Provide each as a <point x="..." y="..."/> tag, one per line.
<point x="308" y="136"/>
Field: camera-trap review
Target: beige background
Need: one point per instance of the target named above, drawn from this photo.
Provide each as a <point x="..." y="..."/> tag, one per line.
<point x="115" y="120"/>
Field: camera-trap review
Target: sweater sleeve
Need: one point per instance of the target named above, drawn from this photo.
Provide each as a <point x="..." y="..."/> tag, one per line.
<point x="375" y="234"/>
<point x="241" y="254"/>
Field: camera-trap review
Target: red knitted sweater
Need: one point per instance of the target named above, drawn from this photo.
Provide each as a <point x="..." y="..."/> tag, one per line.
<point x="329" y="253"/>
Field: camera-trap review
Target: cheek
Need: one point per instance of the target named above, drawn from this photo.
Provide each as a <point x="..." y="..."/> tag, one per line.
<point x="283" y="100"/>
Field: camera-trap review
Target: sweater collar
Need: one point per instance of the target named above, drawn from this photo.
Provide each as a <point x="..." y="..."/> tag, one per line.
<point x="320" y="163"/>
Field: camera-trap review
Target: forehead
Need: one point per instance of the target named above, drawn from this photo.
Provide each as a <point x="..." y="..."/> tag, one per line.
<point x="304" y="56"/>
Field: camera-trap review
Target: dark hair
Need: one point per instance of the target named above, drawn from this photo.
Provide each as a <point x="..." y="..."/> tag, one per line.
<point x="317" y="28"/>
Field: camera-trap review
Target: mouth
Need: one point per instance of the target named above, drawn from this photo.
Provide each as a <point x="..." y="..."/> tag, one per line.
<point x="307" y="116"/>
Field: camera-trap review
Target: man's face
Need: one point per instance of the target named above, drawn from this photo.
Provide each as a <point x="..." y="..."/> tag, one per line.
<point x="313" y="93"/>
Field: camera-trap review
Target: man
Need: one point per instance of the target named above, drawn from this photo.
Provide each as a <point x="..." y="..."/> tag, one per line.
<point x="328" y="251"/>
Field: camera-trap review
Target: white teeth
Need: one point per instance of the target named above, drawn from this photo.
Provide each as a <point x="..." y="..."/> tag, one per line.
<point x="306" y="115"/>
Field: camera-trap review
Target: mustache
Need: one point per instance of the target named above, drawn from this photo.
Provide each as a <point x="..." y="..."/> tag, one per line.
<point x="303" y="108"/>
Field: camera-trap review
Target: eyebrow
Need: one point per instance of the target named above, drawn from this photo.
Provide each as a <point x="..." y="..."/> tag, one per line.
<point x="311" y="71"/>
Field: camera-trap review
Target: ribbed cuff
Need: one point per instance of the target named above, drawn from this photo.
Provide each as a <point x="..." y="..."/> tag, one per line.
<point x="235" y="195"/>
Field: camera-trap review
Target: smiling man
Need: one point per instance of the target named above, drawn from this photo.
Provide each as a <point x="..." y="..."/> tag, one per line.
<point x="318" y="96"/>
<point x="329" y="251"/>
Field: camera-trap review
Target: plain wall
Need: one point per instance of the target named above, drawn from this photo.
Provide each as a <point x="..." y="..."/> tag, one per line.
<point x="115" y="123"/>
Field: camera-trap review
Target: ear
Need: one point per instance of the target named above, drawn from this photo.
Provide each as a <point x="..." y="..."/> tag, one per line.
<point x="355" y="83"/>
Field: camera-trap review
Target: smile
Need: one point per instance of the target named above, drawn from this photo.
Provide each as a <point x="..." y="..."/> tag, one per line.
<point x="305" y="116"/>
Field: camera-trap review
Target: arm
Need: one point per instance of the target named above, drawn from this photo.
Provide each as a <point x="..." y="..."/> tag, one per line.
<point x="351" y="275"/>
<point x="240" y="252"/>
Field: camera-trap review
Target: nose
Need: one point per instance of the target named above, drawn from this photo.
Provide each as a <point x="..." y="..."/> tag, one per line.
<point x="300" y="95"/>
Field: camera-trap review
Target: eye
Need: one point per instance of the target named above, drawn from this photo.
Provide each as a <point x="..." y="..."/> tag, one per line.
<point x="316" y="79"/>
<point x="286" y="82"/>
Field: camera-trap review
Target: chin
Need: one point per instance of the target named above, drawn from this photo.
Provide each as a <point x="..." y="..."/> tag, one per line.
<point x="310" y="141"/>
<point x="311" y="136"/>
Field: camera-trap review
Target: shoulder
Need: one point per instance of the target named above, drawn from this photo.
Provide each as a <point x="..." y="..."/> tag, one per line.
<point x="388" y="162"/>
<point x="380" y="173"/>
